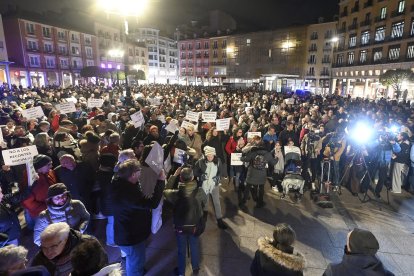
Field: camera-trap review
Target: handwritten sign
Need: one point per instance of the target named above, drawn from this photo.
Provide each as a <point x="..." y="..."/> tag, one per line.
<point x="19" y="156"/>
<point x="192" y="116"/>
<point x="68" y="107"/>
<point x="209" y="117"/>
<point x="251" y="134"/>
<point x="32" y="175"/>
<point x="33" y="113"/>
<point x="223" y="124"/>
<point x="138" y="119"/>
<point x="92" y="102"/>
<point x="235" y="159"/>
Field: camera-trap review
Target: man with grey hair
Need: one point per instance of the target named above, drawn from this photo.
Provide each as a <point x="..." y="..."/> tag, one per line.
<point x="57" y="242"/>
<point x="12" y="258"/>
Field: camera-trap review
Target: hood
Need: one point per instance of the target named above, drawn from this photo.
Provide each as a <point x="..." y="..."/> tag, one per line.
<point x="53" y="209"/>
<point x="294" y="262"/>
<point x="364" y="262"/>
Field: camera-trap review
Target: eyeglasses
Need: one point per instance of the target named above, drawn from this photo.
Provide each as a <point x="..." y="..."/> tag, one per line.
<point x="52" y="247"/>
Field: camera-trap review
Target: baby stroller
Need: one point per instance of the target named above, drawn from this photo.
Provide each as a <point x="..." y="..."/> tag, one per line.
<point x="293" y="179"/>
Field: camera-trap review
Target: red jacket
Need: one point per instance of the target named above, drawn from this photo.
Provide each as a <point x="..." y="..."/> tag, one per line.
<point x="36" y="201"/>
<point x="111" y="148"/>
<point x="231" y="145"/>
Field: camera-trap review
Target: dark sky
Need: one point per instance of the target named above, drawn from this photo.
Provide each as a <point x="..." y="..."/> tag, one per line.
<point x="253" y="14"/>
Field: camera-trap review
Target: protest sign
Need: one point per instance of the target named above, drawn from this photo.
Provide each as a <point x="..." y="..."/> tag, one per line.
<point x="222" y="124"/>
<point x="209" y="117"/>
<point x="167" y="164"/>
<point x="251" y="134"/>
<point x="180" y="156"/>
<point x="186" y="125"/>
<point x="235" y="159"/>
<point x="33" y="113"/>
<point x="64" y="108"/>
<point x="248" y="104"/>
<point x="172" y="126"/>
<point x="248" y="109"/>
<point x="138" y="119"/>
<point x="154" y="101"/>
<point x="161" y="118"/>
<point x="19" y="156"/>
<point x="32" y="175"/>
<point x="192" y="116"/>
<point x="71" y="99"/>
<point x="290" y="101"/>
<point x="155" y="158"/>
<point x="92" y="102"/>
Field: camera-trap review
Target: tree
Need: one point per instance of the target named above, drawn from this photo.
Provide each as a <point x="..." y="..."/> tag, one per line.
<point x="137" y="75"/>
<point x="92" y="72"/>
<point x="396" y="77"/>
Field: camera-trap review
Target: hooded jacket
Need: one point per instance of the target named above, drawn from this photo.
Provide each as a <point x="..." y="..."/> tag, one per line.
<point x="256" y="176"/>
<point x="269" y="260"/>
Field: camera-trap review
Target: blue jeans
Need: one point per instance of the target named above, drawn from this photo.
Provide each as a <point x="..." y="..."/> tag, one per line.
<point x="182" y="248"/>
<point x="135" y="259"/>
<point x="30" y="222"/>
<point x="110" y="231"/>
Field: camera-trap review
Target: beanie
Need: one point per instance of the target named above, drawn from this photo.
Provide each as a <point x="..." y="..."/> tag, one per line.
<point x="56" y="189"/>
<point x="209" y="150"/>
<point x="363" y="242"/>
<point x="40" y="161"/>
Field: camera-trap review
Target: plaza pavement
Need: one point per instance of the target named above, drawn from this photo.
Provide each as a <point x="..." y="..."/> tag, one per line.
<point x="321" y="233"/>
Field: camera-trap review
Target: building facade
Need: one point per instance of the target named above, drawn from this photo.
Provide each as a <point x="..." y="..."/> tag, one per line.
<point x="4" y="60"/>
<point x="47" y="54"/>
<point x="194" y="55"/>
<point x="321" y="38"/>
<point x="162" y="55"/>
<point x="374" y="36"/>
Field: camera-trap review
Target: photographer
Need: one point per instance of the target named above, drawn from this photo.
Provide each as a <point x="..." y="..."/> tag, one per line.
<point x="401" y="163"/>
<point x="308" y="148"/>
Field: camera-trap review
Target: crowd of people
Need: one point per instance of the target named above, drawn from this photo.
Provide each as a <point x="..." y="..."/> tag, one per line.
<point x="102" y="162"/>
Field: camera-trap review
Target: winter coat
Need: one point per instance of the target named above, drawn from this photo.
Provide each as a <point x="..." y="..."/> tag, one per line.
<point x="73" y="212"/>
<point x="271" y="261"/>
<point x="103" y="180"/>
<point x="200" y="170"/>
<point x="90" y="153"/>
<point x="357" y="264"/>
<point x="9" y="223"/>
<point x="218" y="143"/>
<point x="132" y="211"/>
<point x="403" y="156"/>
<point x="256" y="176"/>
<point x="196" y="143"/>
<point x="36" y="201"/>
<point x="231" y="144"/>
<point x="61" y="265"/>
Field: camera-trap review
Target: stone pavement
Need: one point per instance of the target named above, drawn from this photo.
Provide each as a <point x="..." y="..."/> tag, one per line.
<point x="321" y="234"/>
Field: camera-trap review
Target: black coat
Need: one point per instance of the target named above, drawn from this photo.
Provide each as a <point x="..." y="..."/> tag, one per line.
<point x="132" y="211"/>
<point x="255" y="176"/>
<point x="356" y="264"/>
<point x="103" y="180"/>
<point x="271" y="261"/>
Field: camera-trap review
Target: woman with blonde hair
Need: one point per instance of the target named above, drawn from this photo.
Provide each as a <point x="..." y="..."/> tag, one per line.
<point x="217" y="140"/>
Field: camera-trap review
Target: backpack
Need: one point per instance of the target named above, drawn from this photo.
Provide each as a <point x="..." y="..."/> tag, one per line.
<point x="186" y="215"/>
<point x="259" y="162"/>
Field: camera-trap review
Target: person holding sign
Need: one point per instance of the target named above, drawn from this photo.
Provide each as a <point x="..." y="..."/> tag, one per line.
<point x="208" y="170"/>
<point x="217" y="140"/>
<point x="235" y="144"/>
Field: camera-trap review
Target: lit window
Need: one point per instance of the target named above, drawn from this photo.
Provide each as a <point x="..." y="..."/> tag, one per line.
<point x="363" y="56"/>
<point x="351" y="58"/>
<point x="352" y="41"/>
<point x="383" y="13"/>
<point x="365" y="38"/>
<point x="377" y="55"/>
<point x="394" y="53"/>
<point x="401" y="6"/>
<point x="410" y="51"/>
<point x="380" y="34"/>
<point x="397" y="30"/>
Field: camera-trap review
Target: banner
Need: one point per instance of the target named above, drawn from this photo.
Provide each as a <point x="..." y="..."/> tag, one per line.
<point x="235" y="159"/>
<point x="19" y="156"/>
<point x="138" y="119"/>
<point x="192" y="116"/>
<point x="33" y="113"/>
<point x="209" y="117"/>
<point x="251" y="134"/>
<point x="92" y="102"/>
<point x="222" y="124"/>
<point x="64" y="108"/>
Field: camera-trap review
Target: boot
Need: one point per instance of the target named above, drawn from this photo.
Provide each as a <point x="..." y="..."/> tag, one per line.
<point x="221" y="224"/>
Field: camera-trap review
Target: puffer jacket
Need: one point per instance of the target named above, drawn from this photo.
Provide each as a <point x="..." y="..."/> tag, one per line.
<point x="73" y="212"/>
<point x="269" y="260"/>
<point x="256" y="176"/>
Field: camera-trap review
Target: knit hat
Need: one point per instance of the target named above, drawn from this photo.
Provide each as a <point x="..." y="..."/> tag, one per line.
<point x="40" y="161"/>
<point x="56" y="189"/>
<point x="363" y="242"/>
<point x="209" y="150"/>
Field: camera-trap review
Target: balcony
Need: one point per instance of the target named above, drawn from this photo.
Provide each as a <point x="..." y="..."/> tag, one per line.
<point x="63" y="53"/>
<point x="34" y="50"/>
<point x="75" y="40"/>
<point x="352" y="27"/>
<point x="397" y="13"/>
<point x="62" y="38"/>
<point x="198" y="55"/>
<point x="365" y="23"/>
<point x="311" y="61"/>
<point x="310" y="73"/>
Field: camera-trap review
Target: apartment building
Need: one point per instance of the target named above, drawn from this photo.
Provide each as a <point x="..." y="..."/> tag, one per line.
<point x="162" y="55"/>
<point x="194" y="61"/>
<point x="373" y="37"/>
<point x="4" y="60"/>
<point x="321" y="38"/>
<point x="45" y="53"/>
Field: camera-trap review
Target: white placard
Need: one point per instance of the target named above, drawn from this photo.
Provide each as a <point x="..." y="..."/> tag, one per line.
<point x="155" y="158"/>
<point x="186" y="124"/>
<point x="172" y="126"/>
<point x="33" y="113"/>
<point x="32" y="175"/>
<point x="290" y="101"/>
<point x="221" y="97"/>
<point x="71" y="99"/>
<point x="251" y="134"/>
<point x="138" y="119"/>
<point x="235" y="159"/>
<point x="161" y="118"/>
<point x="222" y="124"/>
<point x="1" y="136"/>
<point x="64" y="108"/>
<point x="154" y="101"/>
<point x="92" y="102"/>
<point x="192" y="116"/>
<point x="167" y="164"/>
<point x="209" y="116"/>
<point x="248" y="104"/>
<point x="246" y="109"/>
<point x="19" y="156"/>
<point x="179" y="156"/>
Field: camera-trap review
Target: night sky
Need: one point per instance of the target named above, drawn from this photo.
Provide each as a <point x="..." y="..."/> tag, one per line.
<point x="249" y="14"/>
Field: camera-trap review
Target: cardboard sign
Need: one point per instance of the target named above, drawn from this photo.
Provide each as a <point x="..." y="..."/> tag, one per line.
<point x="251" y="134"/>
<point x="68" y="107"/>
<point x="92" y="102"/>
<point x="235" y="159"/>
<point x="138" y="119"/>
<point x="155" y="158"/>
<point x="290" y="101"/>
<point x="33" y="113"/>
<point x="192" y="116"/>
<point x="32" y="175"/>
<point x="209" y="117"/>
<point x="223" y="124"/>
<point x="19" y="156"/>
<point x="172" y="126"/>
